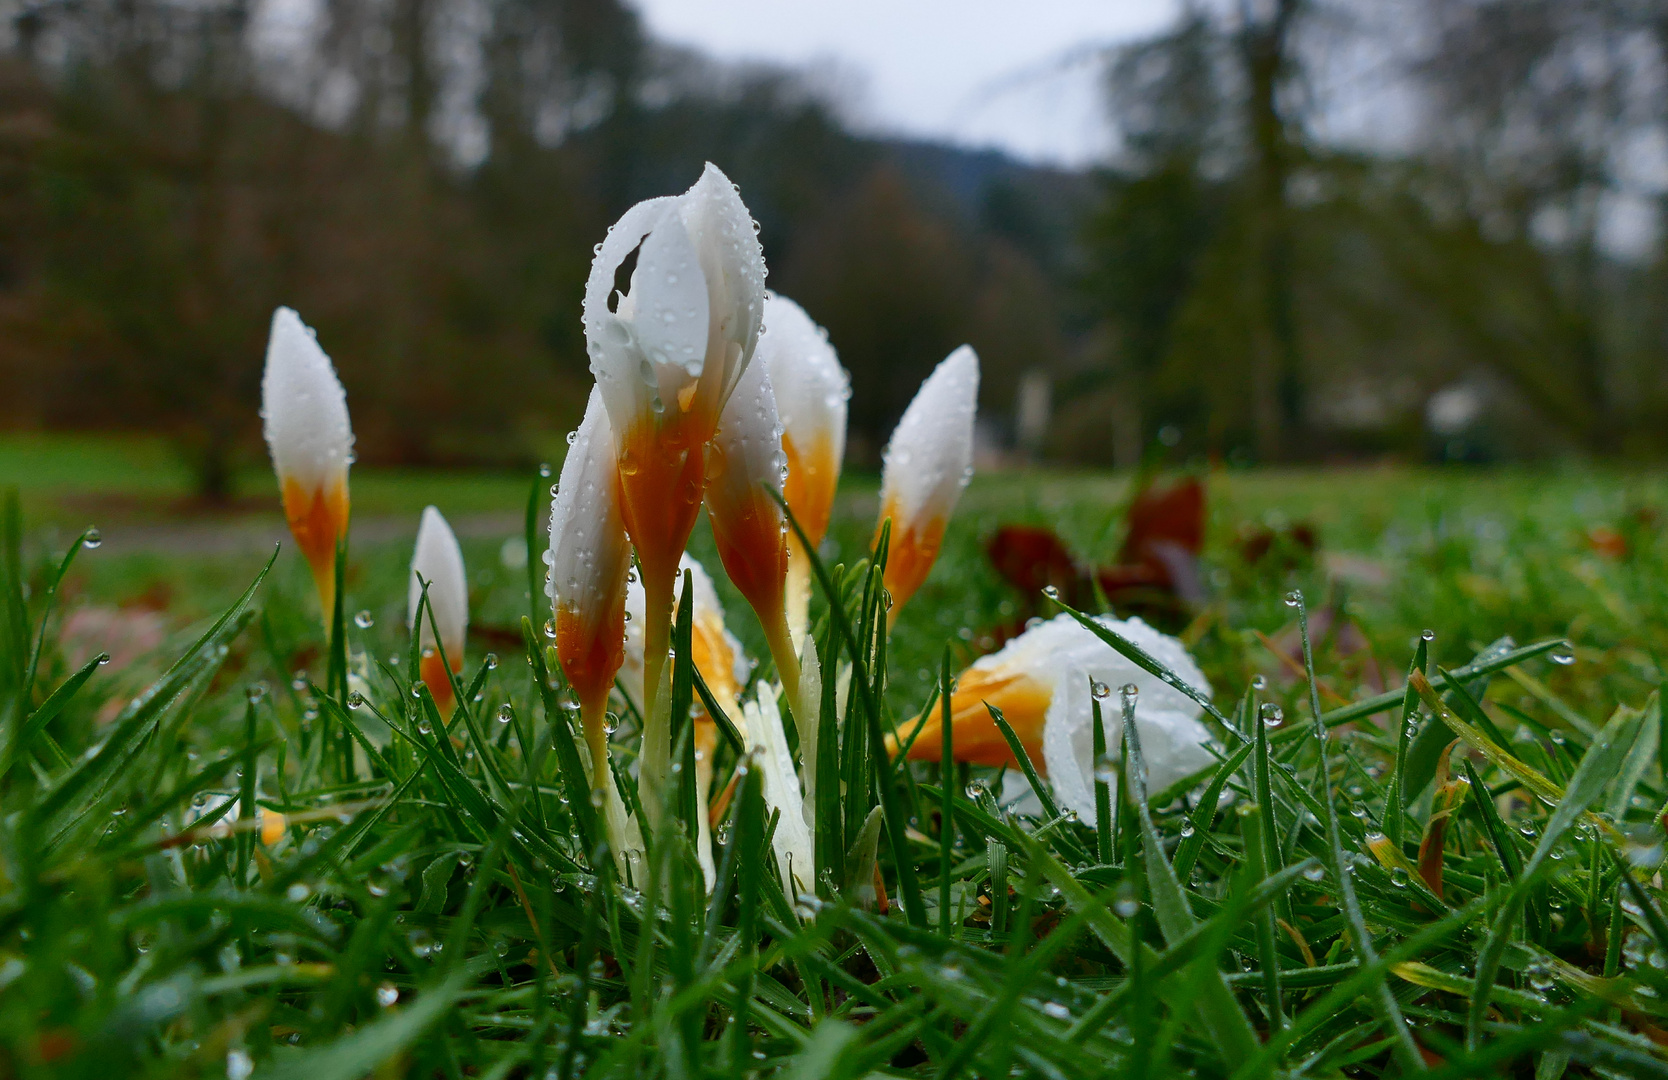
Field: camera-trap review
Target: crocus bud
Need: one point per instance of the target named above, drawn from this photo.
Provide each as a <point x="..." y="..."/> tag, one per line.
<point x="438" y="561"/>
<point x="1045" y="683"/>
<point x="927" y="465"/>
<point x="812" y="390"/>
<point x="666" y="356"/>
<point x="306" y="419"/>
<point x="745" y="467"/>
<point x="589" y="559"/>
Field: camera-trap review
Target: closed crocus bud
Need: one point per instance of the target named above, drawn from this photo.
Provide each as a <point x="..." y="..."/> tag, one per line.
<point x="745" y="467"/>
<point x="927" y="465"/>
<point x="589" y="560"/>
<point x="666" y="355"/>
<point x="438" y="561"/>
<point x="723" y="666"/>
<point x="812" y="391"/>
<point x="306" y="419"/>
<point x="1044" y="683"/>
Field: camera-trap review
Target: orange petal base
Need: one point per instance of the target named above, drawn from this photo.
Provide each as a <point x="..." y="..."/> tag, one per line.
<point x="1023" y="702"/>
<point x="318" y="519"/>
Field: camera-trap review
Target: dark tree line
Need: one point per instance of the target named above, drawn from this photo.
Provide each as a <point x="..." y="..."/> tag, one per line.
<point x="424" y="180"/>
<point x="1282" y="292"/>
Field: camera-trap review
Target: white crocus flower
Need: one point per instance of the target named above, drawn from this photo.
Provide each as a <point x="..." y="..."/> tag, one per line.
<point x="438" y="561"/>
<point x="1041" y="682"/>
<point x="666" y="355"/>
<point x="589" y="560"/>
<point x="305" y="412"/>
<point x="745" y="468"/>
<point x="812" y="391"/>
<point x="767" y="747"/>
<point x="926" y="466"/>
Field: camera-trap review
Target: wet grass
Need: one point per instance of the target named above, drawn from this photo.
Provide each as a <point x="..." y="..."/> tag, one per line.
<point x="433" y="906"/>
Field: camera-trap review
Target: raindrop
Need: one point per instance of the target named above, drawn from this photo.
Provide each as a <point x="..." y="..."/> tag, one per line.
<point x="1272" y="714"/>
<point x="256" y="691"/>
<point x="424" y="728"/>
<point x="355" y="700"/>
<point x="1187" y="829"/>
<point x="1051" y="592"/>
<point x="299" y="683"/>
<point x="92" y="540"/>
<point x="103" y="658"/>
<point x="550" y="628"/>
<point x="505" y="713"/>
<point x="977" y="790"/>
<point x="1099" y="689"/>
<point x="1294" y="598"/>
<point x="1398" y="877"/>
<point x="1563" y="655"/>
<point x="490" y="661"/>
<point x="364" y="620"/>
<point x="1130" y="694"/>
<point x="610" y="723"/>
<point x="1314" y="873"/>
<point x="1428" y="635"/>
<point x="544" y="468"/>
<point x="239" y="1065"/>
<point x="1106" y="769"/>
<point x="1259" y="683"/>
<point x="388" y="993"/>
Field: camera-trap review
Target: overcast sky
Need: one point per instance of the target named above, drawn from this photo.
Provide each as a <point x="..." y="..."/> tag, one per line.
<point x="976" y="72"/>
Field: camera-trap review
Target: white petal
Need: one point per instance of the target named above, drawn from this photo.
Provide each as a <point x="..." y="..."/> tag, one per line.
<point x="1173" y="744"/>
<point x="589" y="555"/>
<point x="439" y="561"/>
<point x="812" y="389"/>
<point x="930" y="457"/>
<point x="303" y="405"/>
<point x="749" y="438"/>
<point x="794" y="849"/>
<point x="727" y="238"/>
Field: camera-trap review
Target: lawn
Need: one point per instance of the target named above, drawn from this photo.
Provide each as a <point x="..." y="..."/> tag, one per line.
<point x="431" y="906"/>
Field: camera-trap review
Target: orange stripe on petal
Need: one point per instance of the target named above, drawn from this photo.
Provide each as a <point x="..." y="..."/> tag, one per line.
<point x="318" y="519"/>
<point x="914" y="548"/>
<point x="1023" y="702"/>
<point x="439" y="683"/>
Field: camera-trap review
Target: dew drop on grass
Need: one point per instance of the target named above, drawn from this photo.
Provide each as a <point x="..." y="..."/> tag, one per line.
<point x="490" y="661"/>
<point x="356" y="700"/>
<point x="103" y="658"/>
<point x="1187" y="829"/>
<point x="1563" y="655"/>
<point x="387" y="993"/>
<point x="255" y="693"/>
<point x="364" y="619"/>
<point x="299" y="682"/>
<point x="424" y="728"/>
<point x="544" y="468"/>
<point x="976" y="790"/>
<point x="239" y="1065"/>
<point x="1272" y="714"/>
<point x="1294" y="598"/>
<point x="92" y="540"/>
<point x="1051" y="592"/>
<point x="1259" y="683"/>
<point x="1100" y="689"/>
<point x="550" y="629"/>
<point x="1314" y="873"/>
<point x="1398" y="877"/>
<point x="506" y="713"/>
<point x="1106" y="769"/>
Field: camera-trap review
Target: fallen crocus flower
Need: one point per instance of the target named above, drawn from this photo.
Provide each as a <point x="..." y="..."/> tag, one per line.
<point x="306" y="419"/>
<point x="1044" y="682"/>
<point x="437" y="561"/>
<point x="927" y="465"/>
<point x="666" y="355"/>
<point x="812" y="391"/>
<point x="767" y="749"/>
<point x="589" y="560"/>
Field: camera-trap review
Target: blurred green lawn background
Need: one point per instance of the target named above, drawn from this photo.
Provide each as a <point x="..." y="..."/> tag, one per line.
<point x="1523" y="553"/>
